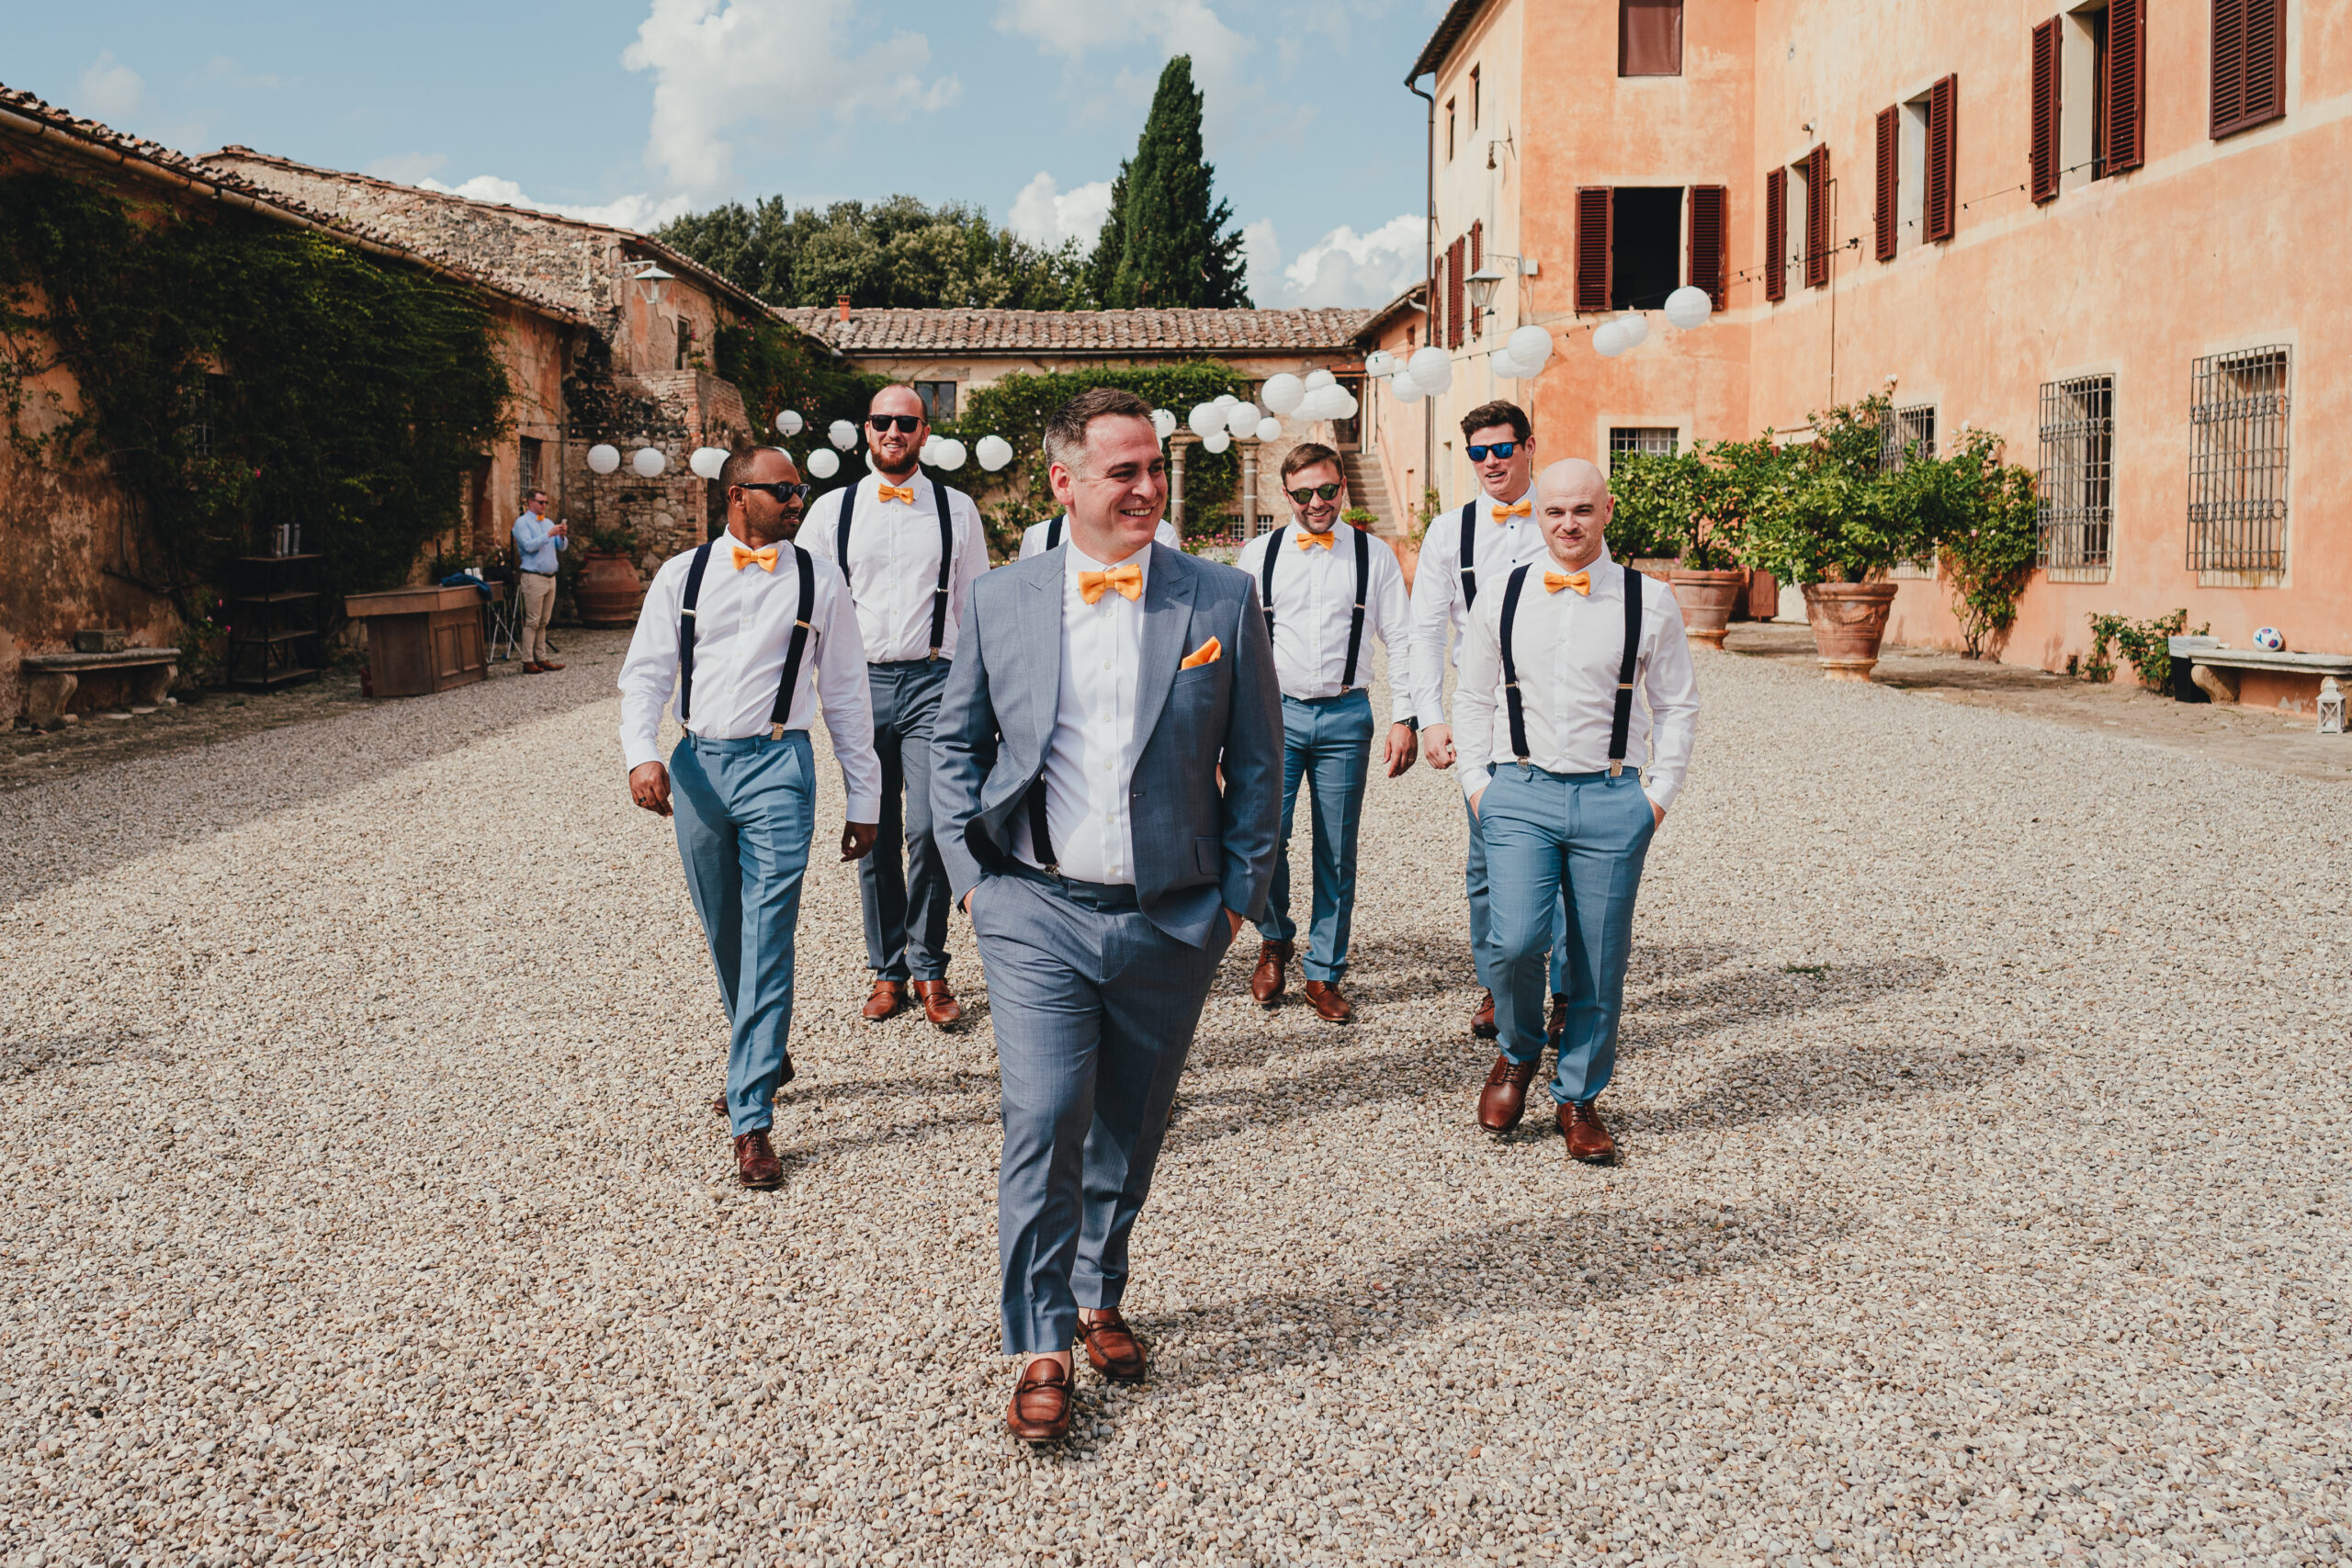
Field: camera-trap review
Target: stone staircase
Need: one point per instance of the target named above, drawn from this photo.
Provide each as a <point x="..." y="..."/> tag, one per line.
<point x="1368" y="490"/>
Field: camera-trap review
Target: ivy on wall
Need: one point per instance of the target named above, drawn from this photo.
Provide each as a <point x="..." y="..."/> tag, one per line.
<point x="234" y="374"/>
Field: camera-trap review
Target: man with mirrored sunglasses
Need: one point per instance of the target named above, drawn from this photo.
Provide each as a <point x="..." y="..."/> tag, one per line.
<point x="910" y="548"/>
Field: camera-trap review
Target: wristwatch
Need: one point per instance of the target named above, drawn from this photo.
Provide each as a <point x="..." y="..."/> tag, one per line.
<point x="1412" y="724"/>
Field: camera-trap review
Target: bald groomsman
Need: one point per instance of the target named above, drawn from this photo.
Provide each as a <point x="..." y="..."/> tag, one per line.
<point x="1569" y="778"/>
<point x="1039" y="537"/>
<point x="910" y="548"/>
<point x="1328" y="589"/>
<point x="751" y="634"/>
<point x="1463" y="554"/>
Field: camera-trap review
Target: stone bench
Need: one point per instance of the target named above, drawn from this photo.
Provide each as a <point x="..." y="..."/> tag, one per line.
<point x="2257" y="676"/>
<point x="52" y="679"/>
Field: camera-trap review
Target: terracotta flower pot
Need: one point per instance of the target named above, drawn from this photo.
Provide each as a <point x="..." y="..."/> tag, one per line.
<point x="1707" y="598"/>
<point x="607" y="592"/>
<point x="1409" y="556"/>
<point x="1848" y="622"/>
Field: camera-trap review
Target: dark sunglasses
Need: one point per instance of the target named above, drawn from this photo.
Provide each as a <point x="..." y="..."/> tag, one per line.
<point x="1501" y="449"/>
<point x="786" y="494"/>
<point x="1313" y="492"/>
<point x="879" y="422"/>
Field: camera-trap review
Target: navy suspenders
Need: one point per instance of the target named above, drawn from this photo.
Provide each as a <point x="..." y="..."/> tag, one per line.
<point x="947" y="557"/>
<point x="1621" y="720"/>
<point x="1469" y="542"/>
<point x="1054" y="535"/>
<point x="795" y="652"/>
<point x="1364" y="591"/>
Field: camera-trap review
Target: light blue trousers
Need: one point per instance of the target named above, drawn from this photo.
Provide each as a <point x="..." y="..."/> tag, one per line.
<point x="1326" y="745"/>
<point x="1584" y="837"/>
<point x="745" y="810"/>
<point x="1094" y="1008"/>
<point x="1474" y="881"/>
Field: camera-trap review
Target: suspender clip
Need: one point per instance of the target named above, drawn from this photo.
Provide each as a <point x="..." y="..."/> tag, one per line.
<point x="1616" y="766"/>
<point x="685" y="612"/>
<point x="775" y="732"/>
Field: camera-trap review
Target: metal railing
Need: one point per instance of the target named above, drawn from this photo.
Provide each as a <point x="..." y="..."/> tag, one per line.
<point x="2075" y="489"/>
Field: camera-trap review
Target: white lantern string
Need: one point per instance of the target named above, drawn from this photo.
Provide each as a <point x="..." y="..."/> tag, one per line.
<point x="604" y="459"/>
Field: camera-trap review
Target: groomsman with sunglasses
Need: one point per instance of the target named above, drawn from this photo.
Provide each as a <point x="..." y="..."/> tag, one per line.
<point x="751" y="634"/>
<point x="1468" y="552"/>
<point x="1327" y="588"/>
<point x="910" y="548"/>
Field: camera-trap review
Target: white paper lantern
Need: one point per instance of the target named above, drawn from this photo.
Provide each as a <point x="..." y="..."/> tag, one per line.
<point x="1282" y="394"/>
<point x="1216" y="441"/>
<point x="1633" y="329"/>
<point x="1531" y="346"/>
<point x="706" y="461"/>
<point x="950" y="454"/>
<point x="1379" y="362"/>
<point x="1433" y="369"/>
<point x="823" y="464"/>
<point x="648" y="463"/>
<point x="1347" y="403"/>
<point x="1507" y="369"/>
<point x="1318" y="379"/>
<point x="604" y="459"/>
<point x="789" y="422"/>
<point x="1688" y="306"/>
<point x="994" y="451"/>
<point x="928" y="453"/>
<point x="1163" y="421"/>
<point x="1268" y="429"/>
<point x="1609" y="340"/>
<point x="1241" y="418"/>
<point x="842" y="433"/>
<point x="1204" y="419"/>
<point x="1406" y="389"/>
<point x="1224" y="400"/>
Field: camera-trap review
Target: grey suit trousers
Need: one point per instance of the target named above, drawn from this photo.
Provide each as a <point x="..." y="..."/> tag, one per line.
<point x="1094" y="1008"/>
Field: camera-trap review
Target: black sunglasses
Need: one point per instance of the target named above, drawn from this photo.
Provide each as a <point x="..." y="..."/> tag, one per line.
<point x="786" y="494"/>
<point x="906" y="423"/>
<point x="1313" y="492"/>
<point x="1501" y="449"/>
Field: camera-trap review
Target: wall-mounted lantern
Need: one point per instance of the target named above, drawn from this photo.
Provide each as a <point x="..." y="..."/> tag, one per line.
<point x="650" y="281"/>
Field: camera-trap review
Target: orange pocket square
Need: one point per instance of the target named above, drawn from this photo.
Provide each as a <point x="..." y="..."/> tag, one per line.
<point x="1208" y="652"/>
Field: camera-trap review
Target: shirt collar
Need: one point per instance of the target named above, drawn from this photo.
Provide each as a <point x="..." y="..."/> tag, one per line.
<point x="873" y="481"/>
<point x="1081" y="561"/>
<point x="1486" y="504"/>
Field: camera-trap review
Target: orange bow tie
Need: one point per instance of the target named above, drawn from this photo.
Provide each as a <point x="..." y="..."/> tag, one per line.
<point x="1579" y="581"/>
<point x="897" y="493"/>
<point x="766" y="556"/>
<point x="1310" y="540"/>
<point x="1126" y="580"/>
<point x="1521" y="510"/>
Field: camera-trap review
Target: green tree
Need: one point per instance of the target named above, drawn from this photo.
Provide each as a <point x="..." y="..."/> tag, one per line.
<point x="1175" y="251"/>
<point x="896" y="253"/>
<point x="1102" y="266"/>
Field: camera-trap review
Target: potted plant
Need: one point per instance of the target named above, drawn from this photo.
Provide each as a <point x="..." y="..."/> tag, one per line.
<point x="609" y="591"/>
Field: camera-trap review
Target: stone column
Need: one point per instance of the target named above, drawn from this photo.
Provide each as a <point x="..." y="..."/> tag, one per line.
<point x="1176" y="445"/>
<point x="1249" y="489"/>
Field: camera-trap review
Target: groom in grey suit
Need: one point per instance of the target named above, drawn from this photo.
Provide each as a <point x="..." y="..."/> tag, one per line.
<point x="1076" y="803"/>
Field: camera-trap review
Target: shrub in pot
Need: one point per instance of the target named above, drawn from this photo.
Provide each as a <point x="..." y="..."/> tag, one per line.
<point x="1666" y="507"/>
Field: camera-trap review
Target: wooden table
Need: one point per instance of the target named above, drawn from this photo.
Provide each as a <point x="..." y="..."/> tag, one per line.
<point x="422" y="640"/>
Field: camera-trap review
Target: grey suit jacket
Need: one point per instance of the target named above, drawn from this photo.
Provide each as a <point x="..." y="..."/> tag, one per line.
<point x="1198" y="848"/>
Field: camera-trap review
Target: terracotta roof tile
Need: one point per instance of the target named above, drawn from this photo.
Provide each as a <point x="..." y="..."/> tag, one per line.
<point x="1081" y="332"/>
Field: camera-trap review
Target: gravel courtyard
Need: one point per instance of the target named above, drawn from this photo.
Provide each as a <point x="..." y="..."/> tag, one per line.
<point x="1983" y="1105"/>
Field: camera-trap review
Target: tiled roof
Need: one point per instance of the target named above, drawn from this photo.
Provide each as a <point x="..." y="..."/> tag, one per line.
<point x="1456" y="21"/>
<point x="27" y="113"/>
<point x="1081" y="332"/>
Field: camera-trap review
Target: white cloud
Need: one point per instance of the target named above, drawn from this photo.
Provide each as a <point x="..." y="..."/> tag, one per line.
<point x="1073" y="28"/>
<point x="109" y="89"/>
<point x="1263" y="255"/>
<point x="1044" y="214"/>
<point x="1344" y="267"/>
<point x="407" y="168"/>
<point x="639" y="212"/>
<point x="726" y="69"/>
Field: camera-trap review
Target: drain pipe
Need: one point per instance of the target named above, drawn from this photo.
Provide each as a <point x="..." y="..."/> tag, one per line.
<point x="1429" y="284"/>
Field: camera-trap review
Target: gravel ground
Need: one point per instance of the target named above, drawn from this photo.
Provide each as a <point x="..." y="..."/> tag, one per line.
<point x="1984" y="1103"/>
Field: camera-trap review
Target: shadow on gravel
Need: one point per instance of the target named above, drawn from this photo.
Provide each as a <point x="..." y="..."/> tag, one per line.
<point x="21" y="1058"/>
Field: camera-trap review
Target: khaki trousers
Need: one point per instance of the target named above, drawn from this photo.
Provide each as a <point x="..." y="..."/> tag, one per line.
<point x="539" y="605"/>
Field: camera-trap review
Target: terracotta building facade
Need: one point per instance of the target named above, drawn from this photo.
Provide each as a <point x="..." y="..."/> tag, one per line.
<point x="2099" y="231"/>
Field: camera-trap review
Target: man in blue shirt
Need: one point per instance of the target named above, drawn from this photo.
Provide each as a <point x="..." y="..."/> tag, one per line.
<point x="537" y="540"/>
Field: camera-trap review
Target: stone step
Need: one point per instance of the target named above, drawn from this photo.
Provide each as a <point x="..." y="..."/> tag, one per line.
<point x="1368" y="490"/>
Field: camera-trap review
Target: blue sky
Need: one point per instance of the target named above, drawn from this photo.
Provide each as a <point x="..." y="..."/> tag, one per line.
<point x="632" y="112"/>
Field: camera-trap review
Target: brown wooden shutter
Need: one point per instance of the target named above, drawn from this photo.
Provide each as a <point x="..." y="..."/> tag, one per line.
<point x="1437" y="300"/>
<point x="2127" y="93"/>
<point x="1943" y="157"/>
<point x="1882" y="214"/>
<point x="1596" y="225"/>
<point x="1453" y="295"/>
<point x="1816" y="218"/>
<point x="1477" y="261"/>
<point x="2046" y="111"/>
<point x="1649" y="37"/>
<point x="2249" y="63"/>
<point x="1707" y="228"/>
<point x="1776" y="235"/>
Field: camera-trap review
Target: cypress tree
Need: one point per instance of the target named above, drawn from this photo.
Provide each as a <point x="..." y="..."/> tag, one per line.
<point x="1175" y="250"/>
<point x="1103" y="266"/>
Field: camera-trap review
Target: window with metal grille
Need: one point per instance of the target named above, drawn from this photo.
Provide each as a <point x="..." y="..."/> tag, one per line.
<point x="1911" y="431"/>
<point x="2237" y="466"/>
<point x="1661" y="441"/>
<point x="2075" y="489"/>
<point x="208" y="405"/>
<point x="530" y="465"/>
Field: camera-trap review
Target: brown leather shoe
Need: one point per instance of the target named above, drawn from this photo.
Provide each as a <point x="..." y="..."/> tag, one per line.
<point x="1329" y="1005"/>
<point x="756" y="1161"/>
<point x="1482" y="1023"/>
<point x="530" y="668"/>
<point x="1504" y="1100"/>
<point x="888" y="996"/>
<point x="1588" y="1134"/>
<point x="1111" y="1344"/>
<point x="549" y="664"/>
<point x="1040" y="1409"/>
<point x="1266" y="980"/>
<point x="939" y="1003"/>
<point x="719" y="1104"/>
<point x="1557" y="1024"/>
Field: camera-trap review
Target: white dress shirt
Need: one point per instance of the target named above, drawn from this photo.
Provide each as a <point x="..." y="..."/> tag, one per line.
<point x="1033" y="542"/>
<point x="1314" y="605"/>
<point x="1090" y="759"/>
<point x="742" y="631"/>
<point x="1438" y="608"/>
<point x="894" y="563"/>
<point x="1567" y="647"/>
